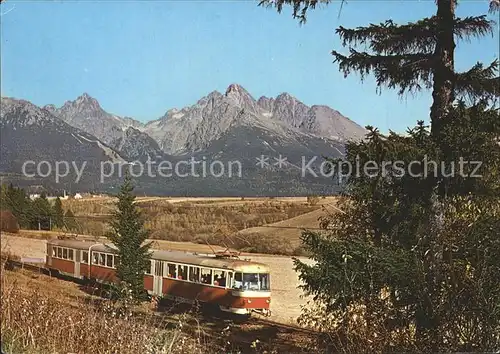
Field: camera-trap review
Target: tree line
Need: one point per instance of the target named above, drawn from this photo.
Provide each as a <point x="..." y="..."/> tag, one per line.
<point x="36" y="214"/>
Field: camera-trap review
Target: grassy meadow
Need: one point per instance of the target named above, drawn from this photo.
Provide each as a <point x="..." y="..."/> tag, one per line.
<point x="214" y="221"/>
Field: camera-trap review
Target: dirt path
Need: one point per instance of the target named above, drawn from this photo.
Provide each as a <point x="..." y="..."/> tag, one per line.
<point x="285" y="298"/>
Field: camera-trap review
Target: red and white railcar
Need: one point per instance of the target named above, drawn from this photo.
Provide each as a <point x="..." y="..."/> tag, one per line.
<point x="235" y="285"/>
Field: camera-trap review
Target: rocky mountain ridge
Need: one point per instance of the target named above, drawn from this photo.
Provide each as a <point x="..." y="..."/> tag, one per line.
<point x="33" y="138"/>
<point x="228" y="127"/>
<point x="122" y="134"/>
<point x="194" y="128"/>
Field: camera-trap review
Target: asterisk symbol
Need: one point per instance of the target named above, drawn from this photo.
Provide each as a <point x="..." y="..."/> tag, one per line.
<point x="280" y="161"/>
<point x="262" y="161"/>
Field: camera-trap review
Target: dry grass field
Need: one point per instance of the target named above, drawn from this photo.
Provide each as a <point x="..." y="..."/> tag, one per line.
<point x="286" y="297"/>
<point x="41" y="314"/>
<point x="288" y="231"/>
<point x="217" y="221"/>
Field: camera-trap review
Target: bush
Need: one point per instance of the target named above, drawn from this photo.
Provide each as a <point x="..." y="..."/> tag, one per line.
<point x="8" y="222"/>
<point x="312" y="199"/>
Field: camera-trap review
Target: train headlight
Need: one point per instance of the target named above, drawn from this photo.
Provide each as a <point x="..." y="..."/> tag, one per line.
<point x="249" y="301"/>
<point x="268" y="301"/>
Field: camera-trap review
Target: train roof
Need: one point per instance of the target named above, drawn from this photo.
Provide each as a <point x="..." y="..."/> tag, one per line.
<point x="82" y="245"/>
<point x="202" y="260"/>
<point x="210" y="261"/>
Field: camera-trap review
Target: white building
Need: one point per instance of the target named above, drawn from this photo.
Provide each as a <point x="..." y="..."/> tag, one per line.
<point x="65" y="196"/>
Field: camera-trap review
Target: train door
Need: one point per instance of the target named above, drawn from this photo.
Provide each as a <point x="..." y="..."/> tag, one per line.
<point x="158" y="278"/>
<point x="48" y="256"/>
<point x="77" y="255"/>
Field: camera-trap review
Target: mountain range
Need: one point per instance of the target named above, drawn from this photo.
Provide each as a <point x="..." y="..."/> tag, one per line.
<point x="229" y="126"/>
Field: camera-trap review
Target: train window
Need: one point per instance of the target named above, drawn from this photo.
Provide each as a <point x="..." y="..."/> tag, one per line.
<point x="238" y="281"/>
<point x="109" y="260"/>
<point x="85" y="257"/>
<point x="183" y="270"/>
<point x="265" y="282"/>
<point x="172" y="270"/>
<point x="102" y="259"/>
<point x="59" y="252"/>
<point x="220" y="278"/>
<point x="54" y="251"/>
<point x="206" y="276"/>
<point x="251" y="281"/>
<point x="194" y="274"/>
<point x="65" y="253"/>
<point x="95" y="258"/>
<point x="70" y="254"/>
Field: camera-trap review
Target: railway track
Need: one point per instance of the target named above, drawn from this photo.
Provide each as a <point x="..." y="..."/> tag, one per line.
<point x="11" y="264"/>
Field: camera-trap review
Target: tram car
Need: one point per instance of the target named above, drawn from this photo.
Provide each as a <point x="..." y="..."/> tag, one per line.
<point x="234" y="285"/>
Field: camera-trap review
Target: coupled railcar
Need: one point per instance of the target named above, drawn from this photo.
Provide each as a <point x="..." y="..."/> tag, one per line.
<point x="235" y="285"/>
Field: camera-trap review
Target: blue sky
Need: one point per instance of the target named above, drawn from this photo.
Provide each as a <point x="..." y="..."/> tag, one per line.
<point x="141" y="58"/>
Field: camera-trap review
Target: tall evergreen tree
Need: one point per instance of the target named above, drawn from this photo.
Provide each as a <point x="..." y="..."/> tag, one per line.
<point x="41" y="213"/>
<point x="410" y="257"/>
<point x="17" y="201"/>
<point x="129" y="236"/>
<point x="58" y="213"/>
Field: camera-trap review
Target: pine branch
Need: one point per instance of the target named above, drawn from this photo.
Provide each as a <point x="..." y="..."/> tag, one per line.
<point x="420" y="36"/>
<point x="479" y="82"/>
<point x="390" y="38"/>
<point x="494" y="6"/>
<point x="300" y="7"/>
<point x="473" y="26"/>
<point x="406" y="71"/>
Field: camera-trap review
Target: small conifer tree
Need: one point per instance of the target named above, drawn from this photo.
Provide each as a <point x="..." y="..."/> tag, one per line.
<point x="129" y="236"/>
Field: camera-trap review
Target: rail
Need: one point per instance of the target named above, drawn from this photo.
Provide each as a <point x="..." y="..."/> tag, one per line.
<point x="11" y="264"/>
